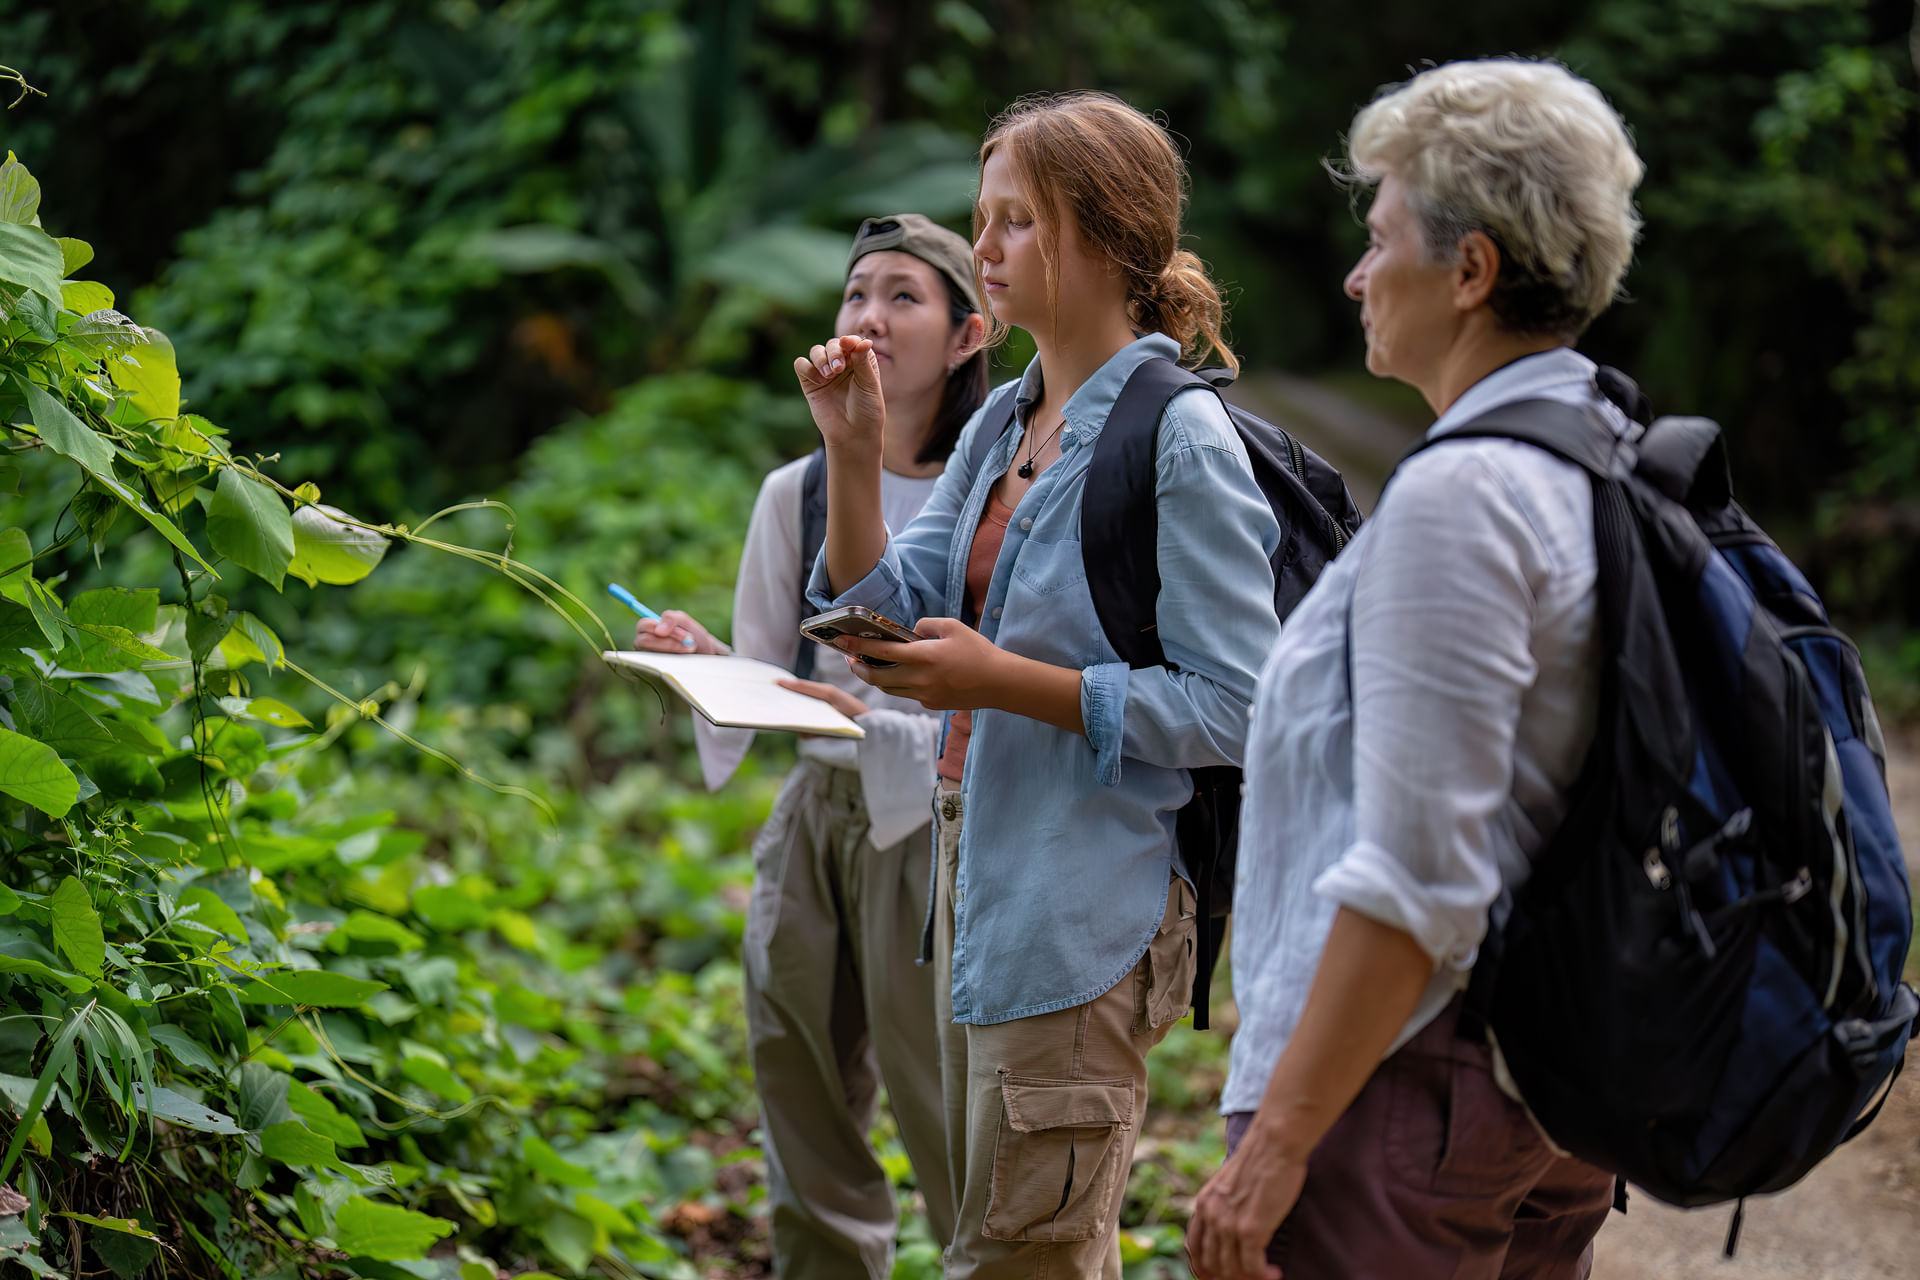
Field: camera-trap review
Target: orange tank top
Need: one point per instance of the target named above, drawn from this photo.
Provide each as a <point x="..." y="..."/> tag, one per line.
<point x="987" y="540"/>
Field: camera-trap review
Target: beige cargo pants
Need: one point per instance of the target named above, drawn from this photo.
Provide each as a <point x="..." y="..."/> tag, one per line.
<point x="836" y="1007"/>
<point x="1043" y="1112"/>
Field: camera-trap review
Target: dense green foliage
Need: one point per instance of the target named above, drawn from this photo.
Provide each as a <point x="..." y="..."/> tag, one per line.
<point x="558" y="254"/>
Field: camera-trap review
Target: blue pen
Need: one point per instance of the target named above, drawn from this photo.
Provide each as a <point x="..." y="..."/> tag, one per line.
<point x="628" y="599"/>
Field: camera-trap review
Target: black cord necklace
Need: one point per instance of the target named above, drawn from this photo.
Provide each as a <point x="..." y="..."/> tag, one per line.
<point x="1025" y="469"/>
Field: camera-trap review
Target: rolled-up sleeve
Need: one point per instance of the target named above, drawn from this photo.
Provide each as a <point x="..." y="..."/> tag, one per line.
<point x="1215" y="612"/>
<point x="1441" y="659"/>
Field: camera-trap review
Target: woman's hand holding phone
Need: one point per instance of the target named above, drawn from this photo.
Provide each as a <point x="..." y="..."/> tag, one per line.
<point x="841" y="379"/>
<point x="951" y="667"/>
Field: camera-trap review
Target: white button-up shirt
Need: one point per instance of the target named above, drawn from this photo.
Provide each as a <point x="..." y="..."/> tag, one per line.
<point x="1415" y="786"/>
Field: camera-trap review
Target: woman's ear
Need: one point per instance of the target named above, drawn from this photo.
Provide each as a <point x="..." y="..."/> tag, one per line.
<point x="1477" y="272"/>
<point x="972" y="331"/>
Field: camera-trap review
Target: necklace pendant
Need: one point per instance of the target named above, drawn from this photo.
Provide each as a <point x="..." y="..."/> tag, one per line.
<point x="1025" y="470"/>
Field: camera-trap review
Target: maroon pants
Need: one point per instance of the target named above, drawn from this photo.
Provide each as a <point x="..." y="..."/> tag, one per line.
<point x="1434" y="1174"/>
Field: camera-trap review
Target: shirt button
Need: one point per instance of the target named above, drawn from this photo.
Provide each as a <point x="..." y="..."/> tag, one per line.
<point x="1066" y="434"/>
<point x="996" y="613"/>
<point x="1026" y="525"/>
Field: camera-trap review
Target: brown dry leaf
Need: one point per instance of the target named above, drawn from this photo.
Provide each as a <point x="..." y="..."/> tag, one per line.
<point x="12" y="1203"/>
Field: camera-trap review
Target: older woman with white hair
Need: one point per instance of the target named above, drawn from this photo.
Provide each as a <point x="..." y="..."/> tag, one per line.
<point x="1419" y="726"/>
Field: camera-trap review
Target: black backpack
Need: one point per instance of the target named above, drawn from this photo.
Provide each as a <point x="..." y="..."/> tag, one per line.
<point x="1699" y="988"/>
<point x="1119" y="528"/>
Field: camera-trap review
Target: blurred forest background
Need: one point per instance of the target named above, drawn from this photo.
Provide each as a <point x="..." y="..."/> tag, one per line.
<point x="560" y="254"/>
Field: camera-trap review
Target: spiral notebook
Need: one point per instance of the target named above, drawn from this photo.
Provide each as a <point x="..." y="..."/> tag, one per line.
<point x="738" y="693"/>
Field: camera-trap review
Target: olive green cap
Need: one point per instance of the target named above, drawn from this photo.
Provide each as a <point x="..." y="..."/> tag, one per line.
<point x="926" y="240"/>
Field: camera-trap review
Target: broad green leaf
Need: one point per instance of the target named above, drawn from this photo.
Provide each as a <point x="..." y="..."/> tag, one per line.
<point x="319" y="987"/>
<point x="126" y="1256"/>
<point x="570" y="1237"/>
<point x="248" y="524"/>
<point x="136" y="610"/>
<point x="186" y="1051"/>
<point x="267" y="710"/>
<point x="176" y="1108"/>
<point x="260" y="1099"/>
<point x="19" y="193"/>
<point x="46" y="973"/>
<point x="76" y="926"/>
<point x="550" y="1164"/>
<point x="98" y="644"/>
<point x="31" y="772"/>
<point x="126" y="1226"/>
<point x="9" y="901"/>
<point x="292" y="1143"/>
<point x="385" y="1231"/>
<point x="604" y="1216"/>
<point x="16" y="561"/>
<point x="370" y="926"/>
<point x="67" y="435"/>
<point x="31" y="258"/>
<point x="74" y="254"/>
<point x="437" y="1076"/>
<point x="149" y="377"/>
<point x="323" y="1117"/>
<point x="449" y="907"/>
<point x="83" y="296"/>
<point x="327" y="550"/>
<point x="251" y="640"/>
<point x="48" y="615"/>
<point x="198" y="904"/>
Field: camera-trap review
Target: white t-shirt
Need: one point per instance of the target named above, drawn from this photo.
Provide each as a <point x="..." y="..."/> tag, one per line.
<point x="896" y="758"/>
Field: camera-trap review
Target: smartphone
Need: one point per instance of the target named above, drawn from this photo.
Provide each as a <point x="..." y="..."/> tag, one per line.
<point x="853" y="620"/>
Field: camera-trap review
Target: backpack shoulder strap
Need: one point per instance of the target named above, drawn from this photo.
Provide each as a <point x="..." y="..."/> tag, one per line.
<point x="813" y="536"/>
<point x="1119" y="526"/>
<point x="1566" y="431"/>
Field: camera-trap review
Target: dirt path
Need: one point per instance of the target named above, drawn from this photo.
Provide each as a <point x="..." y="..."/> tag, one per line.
<point x="1855" y="1217"/>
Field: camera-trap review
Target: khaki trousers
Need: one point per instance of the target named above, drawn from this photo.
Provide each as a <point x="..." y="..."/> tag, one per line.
<point x="837" y="1007"/>
<point x="1043" y="1112"/>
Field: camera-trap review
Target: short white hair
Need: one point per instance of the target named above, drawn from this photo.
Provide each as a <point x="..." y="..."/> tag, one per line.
<point x="1526" y="152"/>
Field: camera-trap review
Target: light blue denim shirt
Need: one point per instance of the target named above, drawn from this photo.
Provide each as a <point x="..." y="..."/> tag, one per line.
<point x="1069" y="838"/>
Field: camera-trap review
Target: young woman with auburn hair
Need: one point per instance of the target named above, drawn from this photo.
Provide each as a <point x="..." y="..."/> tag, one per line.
<point x="1063" y="926"/>
<point x="836" y="1006"/>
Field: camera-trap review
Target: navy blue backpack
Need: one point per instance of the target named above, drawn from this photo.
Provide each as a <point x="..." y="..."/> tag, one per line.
<point x="1699" y="988"/>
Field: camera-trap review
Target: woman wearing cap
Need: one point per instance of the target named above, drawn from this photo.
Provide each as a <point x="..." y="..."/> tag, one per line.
<point x="1064" y="919"/>
<point x="836" y="1006"/>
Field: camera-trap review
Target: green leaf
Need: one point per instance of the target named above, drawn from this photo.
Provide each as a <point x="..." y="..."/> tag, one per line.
<point x="550" y="1164"/>
<point x="126" y="1256"/>
<point x="19" y="193"/>
<point x="136" y="610"/>
<point x="570" y="1237"/>
<point x="266" y="710"/>
<point x="251" y="640"/>
<point x="76" y="927"/>
<point x="65" y="434"/>
<point x="319" y="987"/>
<point x="16" y="561"/>
<point x="101" y="647"/>
<point x="31" y="772"/>
<point x="186" y="1051"/>
<point x="437" y="1076"/>
<point x="386" y="1232"/>
<point x="126" y="1226"/>
<point x="9" y="901"/>
<point x="176" y="1108"/>
<point x="292" y="1143"/>
<point x="207" y="908"/>
<point x="327" y="550"/>
<point x="59" y="1058"/>
<point x="449" y="907"/>
<point x="30" y="257"/>
<point x="248" y="524"/>
<point x="372" y="927"/>
<point x="261" y="1097"/>
<point x="148" y="376"/>
<point x="40" y="969"/>
<point x="84" y="296"/>
<point x="323" y="1117"/>
<point x="74" y="254"/>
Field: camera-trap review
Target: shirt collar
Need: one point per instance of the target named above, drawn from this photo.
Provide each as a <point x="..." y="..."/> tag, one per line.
<point x="1559" y="374"/>
<point x="1086" y="411"/>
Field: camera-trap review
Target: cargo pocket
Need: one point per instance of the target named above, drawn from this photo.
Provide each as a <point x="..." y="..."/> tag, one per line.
<point x="1166" y="982"/>
<point x="1060" y="1146"/>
